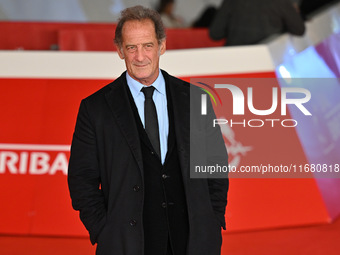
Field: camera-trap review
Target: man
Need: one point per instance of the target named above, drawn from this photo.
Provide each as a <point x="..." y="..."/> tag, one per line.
<point x="132" y="185"/>
<point x="245" y="22"/>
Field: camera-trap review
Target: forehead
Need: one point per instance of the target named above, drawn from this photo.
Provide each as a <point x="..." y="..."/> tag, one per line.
<point x="135" y="31"/>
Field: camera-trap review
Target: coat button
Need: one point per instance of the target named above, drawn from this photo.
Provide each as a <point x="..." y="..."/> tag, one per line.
<point x="164" y="205"/>
<point x="136" y="188"/>
<point x="164" y="176"/>
<point x="133" y="223"/>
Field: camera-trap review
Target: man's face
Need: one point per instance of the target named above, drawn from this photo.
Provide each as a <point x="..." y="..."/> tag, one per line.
<point x="141" y="51"/>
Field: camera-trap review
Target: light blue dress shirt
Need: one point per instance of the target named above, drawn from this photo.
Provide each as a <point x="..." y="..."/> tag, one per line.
<point x="159" y="98"/>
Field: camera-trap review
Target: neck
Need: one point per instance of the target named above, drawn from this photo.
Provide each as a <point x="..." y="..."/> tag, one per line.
<point x="146" y="82"/>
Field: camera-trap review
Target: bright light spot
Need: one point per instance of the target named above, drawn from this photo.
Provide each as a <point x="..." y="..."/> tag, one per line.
<point x="285" y="74"/>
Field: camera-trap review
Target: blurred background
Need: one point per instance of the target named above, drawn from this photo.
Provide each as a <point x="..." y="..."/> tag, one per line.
<point x="54" y="53"/>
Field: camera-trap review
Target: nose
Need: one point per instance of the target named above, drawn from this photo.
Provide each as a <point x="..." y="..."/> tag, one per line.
<point x="140" y="54"/>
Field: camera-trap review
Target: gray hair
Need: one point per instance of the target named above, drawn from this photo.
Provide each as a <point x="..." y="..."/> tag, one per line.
<point x="140" y="13"/>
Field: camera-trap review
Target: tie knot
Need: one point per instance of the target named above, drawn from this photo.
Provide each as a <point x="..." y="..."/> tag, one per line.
<point x="148" y="91"/>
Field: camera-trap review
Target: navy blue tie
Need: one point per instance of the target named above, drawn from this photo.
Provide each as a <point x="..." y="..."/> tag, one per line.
<point x="150" y="118"/>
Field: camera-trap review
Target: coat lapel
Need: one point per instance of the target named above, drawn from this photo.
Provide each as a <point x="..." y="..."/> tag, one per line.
<point x="180" y="97"/>
<point x="120" y="106"/>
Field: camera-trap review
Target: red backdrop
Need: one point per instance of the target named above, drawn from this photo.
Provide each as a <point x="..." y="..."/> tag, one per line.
<point x="33" y="182"/>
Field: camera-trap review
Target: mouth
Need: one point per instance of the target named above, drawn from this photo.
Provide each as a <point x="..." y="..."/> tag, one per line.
<point x="140" y="65"/>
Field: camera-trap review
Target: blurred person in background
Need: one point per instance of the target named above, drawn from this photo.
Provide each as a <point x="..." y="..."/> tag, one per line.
<point x="206" y="17"/>
<point x="308" y="7"/>
<point x="245" y="22"/>
<point x="166" y="10"/>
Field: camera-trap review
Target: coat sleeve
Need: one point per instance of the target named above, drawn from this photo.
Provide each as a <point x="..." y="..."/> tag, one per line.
<point x="217" y="155"/>
<point x="84" y="175"/>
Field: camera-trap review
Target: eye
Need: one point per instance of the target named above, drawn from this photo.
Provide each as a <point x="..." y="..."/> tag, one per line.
<point x="148" y="46"/>
<point x="131" y="48"/>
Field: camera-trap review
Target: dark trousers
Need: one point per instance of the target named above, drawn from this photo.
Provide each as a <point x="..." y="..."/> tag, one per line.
<point x="169" y="250"/>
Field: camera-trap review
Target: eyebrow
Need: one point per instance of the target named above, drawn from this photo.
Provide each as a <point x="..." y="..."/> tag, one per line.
<point x="143" y="44"/>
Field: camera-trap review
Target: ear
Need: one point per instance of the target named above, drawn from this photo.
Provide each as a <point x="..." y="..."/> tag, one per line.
<point x="120" y="52"/>
<point x="162" y="47"/>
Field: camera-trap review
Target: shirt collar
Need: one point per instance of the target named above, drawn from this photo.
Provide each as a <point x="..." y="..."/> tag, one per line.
<point x="136" y="87"/>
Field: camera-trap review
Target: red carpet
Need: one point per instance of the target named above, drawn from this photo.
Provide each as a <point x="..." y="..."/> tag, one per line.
<point x="311" y="240"/>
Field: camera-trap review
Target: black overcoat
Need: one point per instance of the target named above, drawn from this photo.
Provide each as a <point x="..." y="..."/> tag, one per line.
<point x="106" y="166"/>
